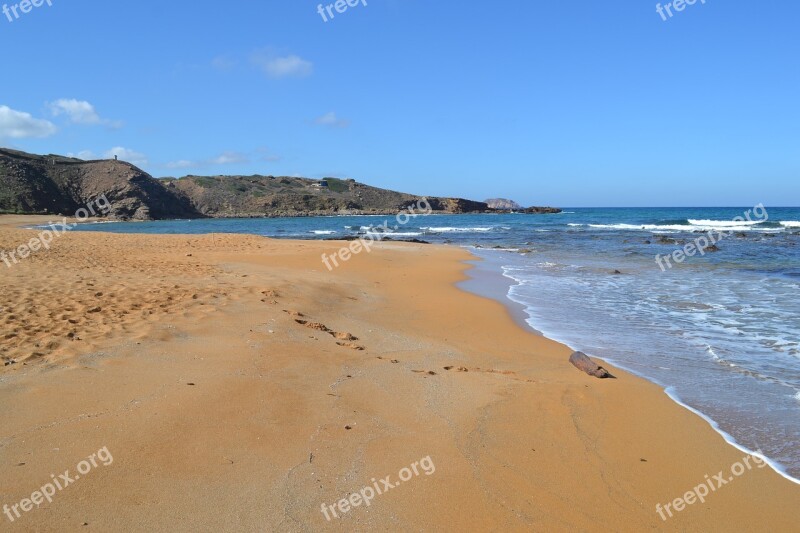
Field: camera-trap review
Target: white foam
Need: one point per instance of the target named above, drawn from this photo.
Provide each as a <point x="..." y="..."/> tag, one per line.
<point x="513" y="295"/>
<point x="323" y="232"/>
<point x="458" y="230"/>
<point x="396" y="233"/>
<point x="647" y="227"/>
<point x="733" y="226"/>
<point x="724" y="223"/>
<point x="791" y="224"/>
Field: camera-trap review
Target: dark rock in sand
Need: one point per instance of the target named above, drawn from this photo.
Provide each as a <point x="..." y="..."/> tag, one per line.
<point x="582" y="362"/>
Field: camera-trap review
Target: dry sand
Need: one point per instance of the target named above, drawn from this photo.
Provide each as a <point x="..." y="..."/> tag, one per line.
<point x="186" y="357"/>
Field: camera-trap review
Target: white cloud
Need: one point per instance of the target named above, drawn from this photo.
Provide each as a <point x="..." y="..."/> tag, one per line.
<point x="331" y="120"/>
<point x="126" y="154"/>
<point x="276" y="66"/>
<point x="228" y="158"/>
<point x="225" y="158"/>
<point x="19" y="125"/>
<point x="183" y="163"/>
<point x="84" y="154"/>
<point x="80" y="112"/>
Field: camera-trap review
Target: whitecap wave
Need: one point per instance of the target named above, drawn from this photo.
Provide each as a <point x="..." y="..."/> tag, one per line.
<point x="682" y="228"/>
<point x="645" y="227"/>
<point x="395" y="233"/>
<point x="459" y="230"/>
<point x="323" y="232"/>
<point x="791" y="224"/>
<point x="724" y="223"/>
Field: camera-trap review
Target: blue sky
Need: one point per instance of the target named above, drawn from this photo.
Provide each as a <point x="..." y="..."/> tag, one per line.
<point x="569" y="103"/>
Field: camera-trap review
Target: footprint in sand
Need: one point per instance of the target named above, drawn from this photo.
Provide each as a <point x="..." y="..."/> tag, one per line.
<point x="508" y="373"/>
<point x="313" y="325"/>
<point x="350" y="345"/>
<point x="270" y="296"/>
<point x="343" y="337"/>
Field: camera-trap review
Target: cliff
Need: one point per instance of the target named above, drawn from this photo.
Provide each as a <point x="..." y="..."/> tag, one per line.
<point x="54" y="184"/>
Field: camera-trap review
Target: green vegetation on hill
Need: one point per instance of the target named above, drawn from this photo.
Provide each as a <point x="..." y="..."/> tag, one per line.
<point x="337" y="185"/>
<point x="55" y="184"/>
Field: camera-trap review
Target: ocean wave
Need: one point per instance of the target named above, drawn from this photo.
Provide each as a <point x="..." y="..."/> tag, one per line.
<point x="323" y="232"/>
<point x="645" y="227"/>
<point x="724" y="223"/>
<point x="459" y="230"/>
<point x="790" y="224"/>
<point x="694" y="228"/>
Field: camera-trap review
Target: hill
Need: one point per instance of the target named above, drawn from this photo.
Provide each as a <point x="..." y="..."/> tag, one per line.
<point x="502" y="203"/>
<point x="53" y="184"/>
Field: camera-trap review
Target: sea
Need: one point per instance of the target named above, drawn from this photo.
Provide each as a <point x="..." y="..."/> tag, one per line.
<point x="719" y="330"/>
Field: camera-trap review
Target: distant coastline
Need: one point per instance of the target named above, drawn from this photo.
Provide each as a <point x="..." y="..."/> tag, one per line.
<point x="52" y="184"/>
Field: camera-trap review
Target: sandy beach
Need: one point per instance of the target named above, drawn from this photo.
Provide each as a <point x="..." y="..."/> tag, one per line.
<point x="240" y="385"/>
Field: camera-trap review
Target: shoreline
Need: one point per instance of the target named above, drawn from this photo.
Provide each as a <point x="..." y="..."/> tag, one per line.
<point x="518" y="313"/>
<point x="484" y="280"/>
<point x="211" y="394"/>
